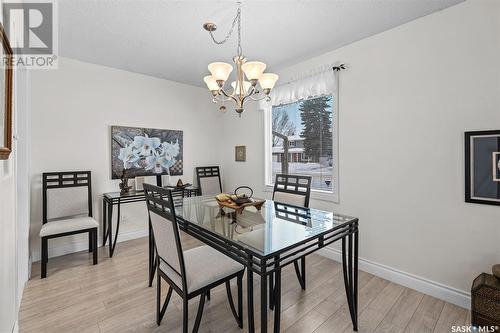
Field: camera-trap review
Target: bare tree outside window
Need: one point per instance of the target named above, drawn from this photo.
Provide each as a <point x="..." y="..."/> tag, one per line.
<point x="303" y="140"/>
<point x="282" y="124"/>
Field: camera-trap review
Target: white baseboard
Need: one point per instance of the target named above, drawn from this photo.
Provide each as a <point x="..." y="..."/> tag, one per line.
<point x="432" y="288"/>
<point x="30" y="264"/>
<point x="81" y="246"/>
<point x="15" y="328"/>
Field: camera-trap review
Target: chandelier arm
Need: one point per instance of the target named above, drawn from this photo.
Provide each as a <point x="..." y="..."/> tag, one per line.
<point x="249" y="95"/>
<point x="221" y="98"/>
<point x="253" y="92"/>
<point x="229" y="96"/>
<point x="256" y="99"/>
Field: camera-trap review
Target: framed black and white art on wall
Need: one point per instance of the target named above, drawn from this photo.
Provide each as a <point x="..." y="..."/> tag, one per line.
<point x="482" y="167"/>
<point x="146" y="151"/>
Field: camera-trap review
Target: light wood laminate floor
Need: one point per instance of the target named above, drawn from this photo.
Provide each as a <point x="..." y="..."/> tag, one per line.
<point x="113" y="297"/>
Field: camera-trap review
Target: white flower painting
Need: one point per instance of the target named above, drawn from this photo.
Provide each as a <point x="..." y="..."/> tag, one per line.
<point x="143" y="151"/>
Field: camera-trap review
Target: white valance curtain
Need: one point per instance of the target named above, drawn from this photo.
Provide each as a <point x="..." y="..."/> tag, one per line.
<point x="315" y="83"/>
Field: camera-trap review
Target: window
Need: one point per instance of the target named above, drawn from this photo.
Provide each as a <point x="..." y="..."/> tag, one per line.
<point x="306" y="128"/>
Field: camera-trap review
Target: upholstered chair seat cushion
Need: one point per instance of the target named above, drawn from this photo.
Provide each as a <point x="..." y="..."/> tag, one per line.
<point x="204" y="265"/>
<point x="290" y="198"/>
<point x="67" y="225"/>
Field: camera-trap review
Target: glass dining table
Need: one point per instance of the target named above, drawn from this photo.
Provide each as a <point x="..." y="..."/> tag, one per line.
<point x="267" y="240"/>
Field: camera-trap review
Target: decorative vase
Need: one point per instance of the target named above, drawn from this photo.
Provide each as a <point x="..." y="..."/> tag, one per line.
<point x="124" y="187"/>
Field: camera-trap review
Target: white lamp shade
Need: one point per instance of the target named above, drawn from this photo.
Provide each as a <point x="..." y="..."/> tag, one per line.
<point x="253" y="69"/>
<point x="236" y="87"/>
<point x="211" y="83"/>
<point x="220" y="70"/>
<point x="268" y="80"/>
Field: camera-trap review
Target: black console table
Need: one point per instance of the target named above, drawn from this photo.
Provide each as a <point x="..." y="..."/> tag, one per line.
<point x="111" y="199"/>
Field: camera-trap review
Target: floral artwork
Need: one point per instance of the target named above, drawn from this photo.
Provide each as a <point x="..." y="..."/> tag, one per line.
<point x="146" y="151"/>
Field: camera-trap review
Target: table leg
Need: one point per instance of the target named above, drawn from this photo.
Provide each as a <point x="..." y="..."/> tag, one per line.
<point x="303" y="269"/>
<point x="110" y="228"/>
<point x="104" y="222"/>
<point x="277" y="301"/>
<point x="355" y="286"/>
<point x="113" y="244"/>
<point x="263" y="297"/>
<point x="251" y="324"/>
<point x="271" y="291"/>
<point x="350" y="275"/>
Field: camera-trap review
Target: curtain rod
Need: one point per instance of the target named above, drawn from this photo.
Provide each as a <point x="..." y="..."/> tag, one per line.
<point x="335" y="68"/>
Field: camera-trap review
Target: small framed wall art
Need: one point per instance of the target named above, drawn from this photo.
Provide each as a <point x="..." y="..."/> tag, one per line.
<point x="240" y="153"/>
<point x="482" y="167"/>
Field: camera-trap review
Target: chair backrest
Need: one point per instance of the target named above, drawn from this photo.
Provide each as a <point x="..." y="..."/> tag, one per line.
<point x="292" y="189"/>
<point x="66" y="194"/>
<point x="177" y="196"/>
<point x="209" y="181"/>
<point x="166" y="230"/>
<point x="293" y="214"/>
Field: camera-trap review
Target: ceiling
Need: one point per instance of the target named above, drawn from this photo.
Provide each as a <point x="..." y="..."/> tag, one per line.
<point x="165" y="38"/>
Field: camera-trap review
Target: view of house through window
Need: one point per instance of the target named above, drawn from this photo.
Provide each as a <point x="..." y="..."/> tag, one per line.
<point x="302" y="140"/>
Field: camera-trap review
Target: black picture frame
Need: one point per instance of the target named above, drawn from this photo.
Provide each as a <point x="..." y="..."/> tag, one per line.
<point x="481" y="149"/>
<point x="6" y="127"/>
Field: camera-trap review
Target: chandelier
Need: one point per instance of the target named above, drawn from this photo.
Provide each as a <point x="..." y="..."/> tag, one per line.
<point x="248" y="74"/>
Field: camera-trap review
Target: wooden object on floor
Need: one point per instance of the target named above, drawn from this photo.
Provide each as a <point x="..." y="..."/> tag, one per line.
<point x="485" y="300"/>
<point x="257" y="203"/>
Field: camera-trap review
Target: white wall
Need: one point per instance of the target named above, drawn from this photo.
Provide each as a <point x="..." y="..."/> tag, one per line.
<point x="14" y="207"/>
<point x="13" y="210"/>
<point x="22" y="135"/>
<point x="8" y="251"/>
<point x="73" y="109"/>
<point x="405" y="101"/>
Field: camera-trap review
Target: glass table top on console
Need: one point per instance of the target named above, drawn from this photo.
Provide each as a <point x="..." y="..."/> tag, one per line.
<point x="111" y="199"/>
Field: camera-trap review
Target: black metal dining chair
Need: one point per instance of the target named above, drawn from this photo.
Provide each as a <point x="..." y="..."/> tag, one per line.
<point x="189" y="273"/>
<point x="67" y="210"/>
<point x="177" y="196"/>
<point x="209" y="181"/>
<point x="294" y="190"/>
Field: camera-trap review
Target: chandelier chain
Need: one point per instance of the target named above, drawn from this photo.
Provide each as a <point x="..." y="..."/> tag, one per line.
<point x="239" y="51"/>
<point x="237" y="20"/>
